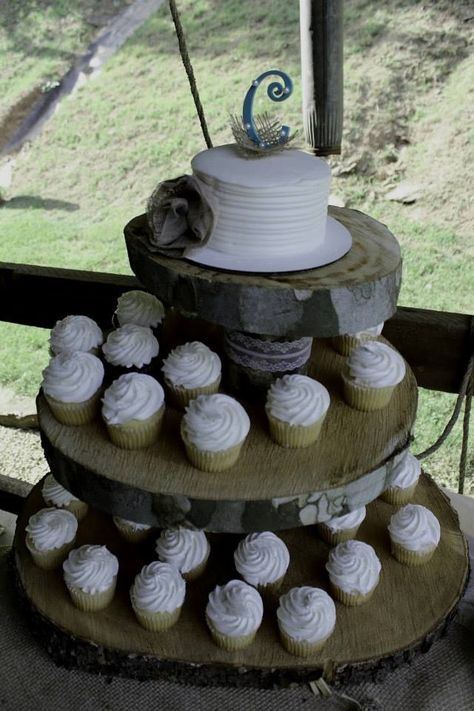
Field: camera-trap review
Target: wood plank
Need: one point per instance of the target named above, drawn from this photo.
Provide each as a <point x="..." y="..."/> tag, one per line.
<point x="13" y="493"/>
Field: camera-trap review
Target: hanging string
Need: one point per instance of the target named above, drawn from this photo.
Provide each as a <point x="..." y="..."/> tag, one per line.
<point x="189" y="71"/>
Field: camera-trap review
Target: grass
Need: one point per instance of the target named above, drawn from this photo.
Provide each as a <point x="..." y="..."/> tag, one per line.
<point x="407" y="77"/>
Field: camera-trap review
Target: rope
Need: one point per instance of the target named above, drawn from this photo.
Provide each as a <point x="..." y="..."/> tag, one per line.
<point x="189" y="71"/>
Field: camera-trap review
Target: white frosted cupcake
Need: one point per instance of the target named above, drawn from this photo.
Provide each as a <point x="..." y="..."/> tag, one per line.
<point x="191" y="370"/>
<point x="132" y="531"/>
<point x="354" y="572"/>
<point x="372" y="371"/>
<point x="306" y="619"/>
<point x="71" y="385"/>
<point x="56" y="495"/>
<point x="403" y="480"/>
<point x="296" y="408"/>
<point x="139" y="307"/>
<point x="345" y="343"/>
<point x="157" y="596"/>
<point x="76" y="333"/>
<point x="233" y="614"/>
<point x="90" y="574"/>
<point x="50" y="535"/>
<point x="132" y="409"/>
<point x="415" y="533"/>
<point x="213" y="429"/>
<point x="342" y="528"/>
<point x="130" y="348"/>
<point x="262" y="560"/>
<point x="185" y="549"/>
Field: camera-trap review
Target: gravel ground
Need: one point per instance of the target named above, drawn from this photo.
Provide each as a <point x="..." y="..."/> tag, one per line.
<point x="21" y="455"/>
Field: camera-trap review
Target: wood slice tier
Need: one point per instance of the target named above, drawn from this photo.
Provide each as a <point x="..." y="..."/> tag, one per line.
<point x="408" y="611"/>
<point x="357" y="291"/>
<point x="269" y="488"/>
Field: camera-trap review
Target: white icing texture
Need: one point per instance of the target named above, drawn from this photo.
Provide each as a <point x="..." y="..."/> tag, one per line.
<point x="131" y="346"/>
<point x="235" y="609"/>
<point x="183" y="548"/>
<point x="353" y="567"/>
<point x="261" y="558"/>
<point x="297" y="399"/>
<point x="90" y="568"/>
<point x="371" y="332"/>
<point x="140" y="308"/>
<point x="376" y="365"/>
<point x="75" y="333"/>
<point x="133" y="396"/>
<point x="349" y="520"/>
<point x="73" y="377"/>
<point x="406" y="472"/>
<point x="215" y="422"/>
<point x="158" y="587"/>
<point x="307" y="614"/>
<point x="192" y="365"/>
<point x="133" y="525"/>
<point x="55" y="494"/>
<point x="275" y="205"/>
<point x="415" y="528"/>
<point x="51" y="528"/>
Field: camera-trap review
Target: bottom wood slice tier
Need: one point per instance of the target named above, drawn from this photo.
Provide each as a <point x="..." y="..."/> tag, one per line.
<point x="408" y="611"/>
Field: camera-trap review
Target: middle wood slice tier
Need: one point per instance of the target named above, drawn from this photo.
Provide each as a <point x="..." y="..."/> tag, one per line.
<point x="270" y="487"/>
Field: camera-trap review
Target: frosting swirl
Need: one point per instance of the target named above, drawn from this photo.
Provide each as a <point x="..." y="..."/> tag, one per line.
<point x="349" y="520"/>
<point x="307" y="614"/>
<point x="140" y="308"/>
<point x="261" y="558"/>
<point x="158" y="587"/>
<point x="75" y="333"/>
<point x="51" y="528"/>
<point x="183" y="548"/>
<point x="131" y="346"/>
<point x="297" y="399"/>
<point x="133" y="396"/>
<point x="415" y="528"/>
<point x="371" y="332"/>
<point x="56" y="494"/>
<point x="353" y="567"/>
<point x="192" y="365"/>
<point x="235" y="609"/>
<point x="131" y="524"/>
<point x="90" y="568"/>
<point x="73" y="377"/>
<point x="215" y="422"/>
<point x="406" y="472"/>
<point x="375" y="365"/>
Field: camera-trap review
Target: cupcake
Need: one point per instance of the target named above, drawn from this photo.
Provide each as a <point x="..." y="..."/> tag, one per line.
<point x="90" y="574"/>
<point x="296" y="407"/>
<point x="354" y="572"/>
<point x="132" y="409"/>
<point x="191" y="370"/>
<point x="372" y="371"/>
<point x="345" y="343"/>
<point x="414" y="533"/>
<point x="262" y="560"/>
<point x="50" y="535"/>
<point x="403" y="480"/>
<point x="72" y="385"/>
<point x="213" y="430"/>
<point x="157" y="596"/>
<point x="56" y="495"/>
<point x="342" y="528"/>
<point x="185" y="549"/>
<point x="233" y="614"/>
<point x="76" y="333"/>
<point x="140" y="308"/>
<point x="130" y="348"/>
<point x="132" y="531"/>
<point x="306" y="619"/>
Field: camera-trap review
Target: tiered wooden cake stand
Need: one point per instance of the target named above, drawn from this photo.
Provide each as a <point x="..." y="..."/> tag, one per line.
<point x="270" y="488"/>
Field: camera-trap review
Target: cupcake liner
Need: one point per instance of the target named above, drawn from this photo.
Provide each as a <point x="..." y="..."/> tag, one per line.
<point x="92" y="602"/>
<point x="336" y="537"/>
<point x="78" y="508"/>
<point x="132" y="535"/>
<point x="301" y="648"/>
<point x="230" y="644"/>
<point x="294" y="436"/>
<point x="49" y="559"/>
<point x="137" y="434"/>
<point x="74" y="413"/>
<point x="180" y="396"/>
<point x="211" y="461"/>
<point x="351" y="599"/>
<point x="398" y="497"/>
<point x="345" y="343"/>
<point x="156" y="621"/>
<point x="403" y="555"/>
<point x="366" y="398"/>
<point x="268" y="590"/>
<point x="197" y="571"/>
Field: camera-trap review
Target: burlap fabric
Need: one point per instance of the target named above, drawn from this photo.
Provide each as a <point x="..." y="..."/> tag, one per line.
<point x="440" y="680"/>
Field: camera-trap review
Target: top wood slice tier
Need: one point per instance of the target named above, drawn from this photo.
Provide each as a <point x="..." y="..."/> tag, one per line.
<point x="355" y="292"/>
